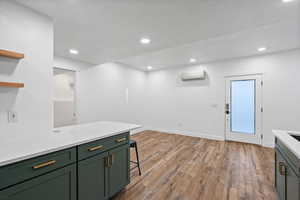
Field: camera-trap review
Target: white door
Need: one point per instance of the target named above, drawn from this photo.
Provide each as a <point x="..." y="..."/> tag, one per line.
<point x="243" y="109"/>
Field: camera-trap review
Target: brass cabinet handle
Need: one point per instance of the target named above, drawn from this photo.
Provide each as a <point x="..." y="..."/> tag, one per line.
<point x="121" y="140"/>
<point x="112" y="159"/>
<point x="109" y="160"/>
<point x="282" y="169"/>
<point x="106" y="161"/>
<point x="96" y="148"/>
<point x="51" y="162"/>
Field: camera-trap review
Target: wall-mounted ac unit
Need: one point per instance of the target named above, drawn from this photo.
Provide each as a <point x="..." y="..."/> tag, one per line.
<point x="188" y="76"/>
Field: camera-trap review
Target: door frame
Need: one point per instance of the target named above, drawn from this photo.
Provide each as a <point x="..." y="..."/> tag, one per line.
<point x="258" y="139"/>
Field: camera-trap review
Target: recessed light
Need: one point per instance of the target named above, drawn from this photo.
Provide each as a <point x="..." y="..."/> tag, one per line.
<point x="287" y="1"/>
<point x="145" y="41"/>
<point x="260" y="49"/>
<point x="149" y="67"/>
<point x="193" y="60"/>
<point x="73" y="51"/>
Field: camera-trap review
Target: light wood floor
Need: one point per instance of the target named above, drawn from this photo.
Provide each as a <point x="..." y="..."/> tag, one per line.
<point x="187" y="168"/>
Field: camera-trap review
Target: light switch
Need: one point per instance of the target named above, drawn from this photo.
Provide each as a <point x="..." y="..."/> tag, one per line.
<point x="12" y="116"/>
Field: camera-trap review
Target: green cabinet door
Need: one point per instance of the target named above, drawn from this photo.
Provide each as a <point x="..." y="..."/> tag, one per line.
<point x="92" y="178"/>
<point x="280" y="175"/>
<point x="56" y="185"/>
<point x="292" y="185"/>
<point x="118" y="171"/>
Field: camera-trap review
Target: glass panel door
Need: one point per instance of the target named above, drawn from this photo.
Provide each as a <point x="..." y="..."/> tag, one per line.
<point x="243" y="106"/>
<point x="243" y="109"/>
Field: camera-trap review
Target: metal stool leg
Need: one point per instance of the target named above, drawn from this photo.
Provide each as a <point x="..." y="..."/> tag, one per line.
<point x="138" y="160"/>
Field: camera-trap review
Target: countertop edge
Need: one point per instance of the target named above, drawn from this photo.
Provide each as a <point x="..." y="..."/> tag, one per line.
<point x="288" y="141"/>
<point x="55" y="149"/>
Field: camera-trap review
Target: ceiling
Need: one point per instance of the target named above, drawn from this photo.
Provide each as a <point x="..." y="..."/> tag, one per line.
<point x="209" y="30"/>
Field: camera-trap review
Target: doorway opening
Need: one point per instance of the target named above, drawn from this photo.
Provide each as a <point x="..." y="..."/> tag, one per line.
<point x="64" y="101"/>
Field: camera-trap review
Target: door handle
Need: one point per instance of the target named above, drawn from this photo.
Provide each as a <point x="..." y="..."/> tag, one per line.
<point x="282" y="169"/>
<point x="227" y="109"/>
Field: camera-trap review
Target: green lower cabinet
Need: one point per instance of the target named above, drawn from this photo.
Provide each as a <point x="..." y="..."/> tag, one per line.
<point x="57" y="185"/>
<point x="287" y="182"/>
<point x="93" y="171"/>
<point x="92" y="178"/>
<point x="118" y="172"/>
<point x="103" y="175"/>
<point x="292" y="185"/>
<point x="280" y="175"/>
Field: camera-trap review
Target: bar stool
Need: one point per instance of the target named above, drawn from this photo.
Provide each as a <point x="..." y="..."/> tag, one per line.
<point x="133" y="144"/>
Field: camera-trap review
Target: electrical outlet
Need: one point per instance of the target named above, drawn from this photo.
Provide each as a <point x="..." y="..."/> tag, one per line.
<point x="12" y="116"/>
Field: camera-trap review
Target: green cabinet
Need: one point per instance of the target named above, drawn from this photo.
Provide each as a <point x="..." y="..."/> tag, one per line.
<point x="103" y="175"/>
<point x="92" y="178"/>
<point x="280" y="175"/>
<point x="59" y="185"/>
<point x="292" y="185"/>
<point x="287" y="168"/>
<point x="34" y="167"/>
<point x="92" y="171"/>
<point x="118" y="171"/>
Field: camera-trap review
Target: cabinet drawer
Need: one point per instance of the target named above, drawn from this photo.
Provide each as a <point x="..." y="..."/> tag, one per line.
<point x="57" y="185"/>
<point x="21" y="171"/>
<point x="119" y="140"/>
<point x="99" y="146"/>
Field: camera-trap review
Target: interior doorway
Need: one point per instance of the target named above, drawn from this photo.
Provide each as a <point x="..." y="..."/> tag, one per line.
<point x="64" y="101"/>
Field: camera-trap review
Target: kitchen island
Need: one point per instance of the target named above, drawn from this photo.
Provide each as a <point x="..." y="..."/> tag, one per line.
<point x="86" y="161"/>
<point x="287" y="164"/>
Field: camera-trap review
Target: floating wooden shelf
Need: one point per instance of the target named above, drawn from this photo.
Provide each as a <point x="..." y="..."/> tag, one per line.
<point x="11" y="54"/>
<point x="11" y="85"/>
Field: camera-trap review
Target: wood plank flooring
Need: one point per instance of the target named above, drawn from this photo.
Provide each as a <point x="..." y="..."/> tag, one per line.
<point x="176" y="167"/>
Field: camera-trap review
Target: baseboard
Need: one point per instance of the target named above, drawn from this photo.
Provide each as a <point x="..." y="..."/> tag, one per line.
<point x="180" y="132"/>
<point x="268" y="145"/>
<point x="189" y="133"/>
<point x="135" y="131"/>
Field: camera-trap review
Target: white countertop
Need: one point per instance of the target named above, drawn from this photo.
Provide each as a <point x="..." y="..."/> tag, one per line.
<point x="16" y="150"/>
<point x="290" y="142"/>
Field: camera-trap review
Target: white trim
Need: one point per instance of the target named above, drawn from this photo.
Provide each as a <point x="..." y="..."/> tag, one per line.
<point x="138" y="130"/>
<point x="268" y="145"/>
<point x="64" y="68"/>
<point x="188" y="133"/>
<point x="244" y="74"/>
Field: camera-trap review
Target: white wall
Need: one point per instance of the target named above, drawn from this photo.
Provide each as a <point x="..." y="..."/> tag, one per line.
<point x="102" y="94"/>
<point x="31" y="33"/>
<point x="158" y="100"/>
<point x="198" y="109"/>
